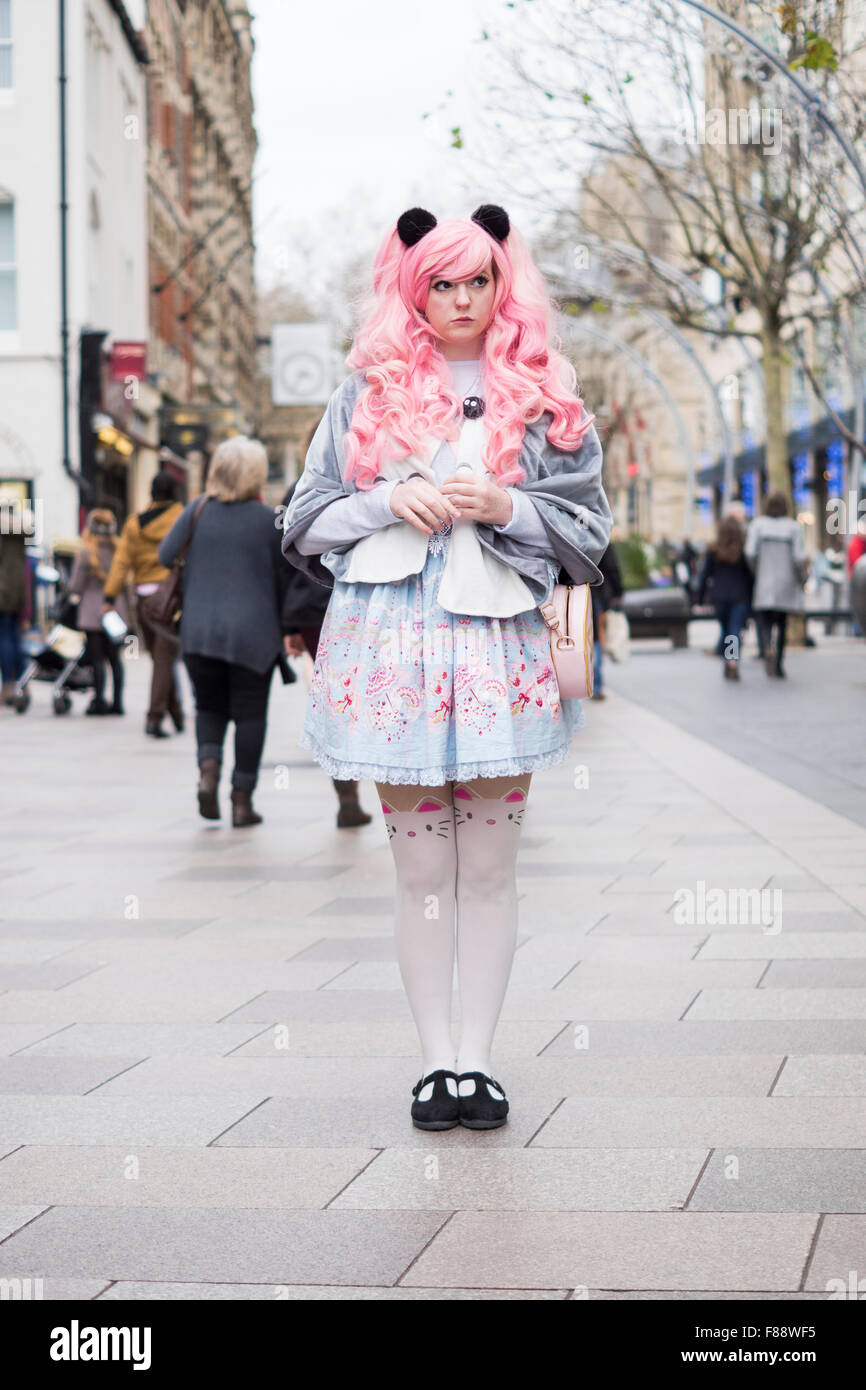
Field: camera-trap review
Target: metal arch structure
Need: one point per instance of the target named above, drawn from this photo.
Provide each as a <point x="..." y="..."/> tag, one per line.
<point x="727" y="443"/>
<point x="813" y="104"/>
<point x="808" y="99"/>
<point x="811" y="101"/>
<point x="639" y="360"/>
<point x="677" y="277"/>
<point x="672" y="331"/>
<point x="858" y="391"/>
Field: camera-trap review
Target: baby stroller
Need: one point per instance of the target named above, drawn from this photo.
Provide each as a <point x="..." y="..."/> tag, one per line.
<point x="58" y="659"/>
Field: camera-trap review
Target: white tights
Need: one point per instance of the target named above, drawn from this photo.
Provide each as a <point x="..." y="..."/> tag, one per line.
<point x="455" y="848"/>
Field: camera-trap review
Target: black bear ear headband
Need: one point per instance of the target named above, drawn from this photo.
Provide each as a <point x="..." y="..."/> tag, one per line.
<point x="417" y="222"/>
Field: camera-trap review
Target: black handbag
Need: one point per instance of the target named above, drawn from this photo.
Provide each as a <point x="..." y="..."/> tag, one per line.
<point x="162" y="608"/>
<point x="287" y="672"/>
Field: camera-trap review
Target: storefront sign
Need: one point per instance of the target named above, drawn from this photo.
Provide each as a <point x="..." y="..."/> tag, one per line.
<point x="128" y="359"/>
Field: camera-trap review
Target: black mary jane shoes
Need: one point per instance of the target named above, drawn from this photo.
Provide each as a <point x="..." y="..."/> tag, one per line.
<point x="481" y="1110"/>
<point x="442" y="1110"/>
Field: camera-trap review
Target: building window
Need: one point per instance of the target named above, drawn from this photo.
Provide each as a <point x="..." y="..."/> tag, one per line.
<point x="5" y="43"/>
<point x="8" y="294"/>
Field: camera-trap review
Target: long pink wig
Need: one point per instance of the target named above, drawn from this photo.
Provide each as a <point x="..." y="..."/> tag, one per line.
<point x="409" y="393"/>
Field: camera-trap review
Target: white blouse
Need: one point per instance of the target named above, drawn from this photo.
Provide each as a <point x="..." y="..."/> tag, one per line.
<point x="351" y="518"/>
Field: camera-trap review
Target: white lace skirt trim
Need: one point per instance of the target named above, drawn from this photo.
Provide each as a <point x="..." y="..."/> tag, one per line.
<point x="433" y="776"/>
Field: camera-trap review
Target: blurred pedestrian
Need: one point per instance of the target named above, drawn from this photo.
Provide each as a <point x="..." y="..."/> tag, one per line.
<point x="776" y="551"/>
<point x="858" y="594"/>
<point x="828" y="578"/>
<point x="856" y="550"/>
<point x="86" y="584"/>
<point x="685" y="567"/>
<point x="726" y="581"/>
<point x="303" y="614"/>
<point x="234" y="587"/>
<point x="604" y="597"/>
<point x="856" y="546"/>
<point x="740" y="511"/>
<point x="13" y="596"/>
<point x="137" y="552"/>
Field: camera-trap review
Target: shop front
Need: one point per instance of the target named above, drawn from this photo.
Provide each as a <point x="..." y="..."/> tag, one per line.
<point x="118" y="415"/>
<point x="192" y="433"/>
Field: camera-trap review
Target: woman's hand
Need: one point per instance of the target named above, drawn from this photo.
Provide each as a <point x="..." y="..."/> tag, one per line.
<point x="422" y="505"/>
<point x="479" y="498"/>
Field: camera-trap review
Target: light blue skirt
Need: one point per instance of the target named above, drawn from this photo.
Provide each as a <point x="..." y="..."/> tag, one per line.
<point x="405" y="692"/>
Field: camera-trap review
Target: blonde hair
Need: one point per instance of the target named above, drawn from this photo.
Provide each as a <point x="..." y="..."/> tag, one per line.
<point x="238" y="469"/>
<point x="101" y="529"/>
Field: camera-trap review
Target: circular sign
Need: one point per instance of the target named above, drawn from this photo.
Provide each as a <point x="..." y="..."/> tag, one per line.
<point x="303" y="374"/>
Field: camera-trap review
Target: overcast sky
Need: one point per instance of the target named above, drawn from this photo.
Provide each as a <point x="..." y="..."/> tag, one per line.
<point x="340" y="94"/>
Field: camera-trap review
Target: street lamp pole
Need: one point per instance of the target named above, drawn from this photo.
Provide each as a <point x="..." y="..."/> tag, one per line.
<point x="811" y="100"/>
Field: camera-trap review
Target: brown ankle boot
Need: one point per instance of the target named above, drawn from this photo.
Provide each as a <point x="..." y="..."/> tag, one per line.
<point x="350" y="812"/>
<point x="242" y="808"/>
<point x="208" y="802"/>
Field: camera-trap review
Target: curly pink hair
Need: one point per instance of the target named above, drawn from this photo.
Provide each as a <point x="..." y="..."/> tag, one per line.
<point x="409" y="393"/>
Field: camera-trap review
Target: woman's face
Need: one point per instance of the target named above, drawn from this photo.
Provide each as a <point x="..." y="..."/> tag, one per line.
<point x="459" y="311"/>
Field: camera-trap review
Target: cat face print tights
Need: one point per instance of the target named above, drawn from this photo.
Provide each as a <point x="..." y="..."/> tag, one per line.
<point x="455" y="849"/>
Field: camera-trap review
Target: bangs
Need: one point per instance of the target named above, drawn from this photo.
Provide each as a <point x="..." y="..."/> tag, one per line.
<point x="460" y="253"/>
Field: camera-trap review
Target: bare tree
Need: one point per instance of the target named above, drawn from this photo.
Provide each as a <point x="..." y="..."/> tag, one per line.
<point x="690" y="152"/>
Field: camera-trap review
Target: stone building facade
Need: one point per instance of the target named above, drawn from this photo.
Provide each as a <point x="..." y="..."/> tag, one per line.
<point x="200" y="160"/>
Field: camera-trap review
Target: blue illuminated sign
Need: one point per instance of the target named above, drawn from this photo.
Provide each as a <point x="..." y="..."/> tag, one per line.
<point x="802" y="478"/>
<point x="747" y="492"/>
<point x="835" y="468"/>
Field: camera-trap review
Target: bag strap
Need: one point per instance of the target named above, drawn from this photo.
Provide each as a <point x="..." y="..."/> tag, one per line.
<point x="549" y="614"/>
<point x="181" y="554"/>
<point x="563" y="638"/>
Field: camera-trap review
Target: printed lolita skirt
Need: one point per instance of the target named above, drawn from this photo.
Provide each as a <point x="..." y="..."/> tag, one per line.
<point x="405" y="692"/>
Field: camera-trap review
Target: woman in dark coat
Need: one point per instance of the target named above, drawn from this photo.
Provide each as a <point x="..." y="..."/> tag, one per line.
<point x="303" y="614"/>
<point x="727" y="578"/>
<point x="231" y="632"/>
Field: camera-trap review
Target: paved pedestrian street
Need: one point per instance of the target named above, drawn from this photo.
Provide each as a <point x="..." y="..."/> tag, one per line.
<point x="207" y="1055"/>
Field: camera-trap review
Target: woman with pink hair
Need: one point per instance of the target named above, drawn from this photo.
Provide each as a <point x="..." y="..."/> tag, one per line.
<point x="454" y="476"/>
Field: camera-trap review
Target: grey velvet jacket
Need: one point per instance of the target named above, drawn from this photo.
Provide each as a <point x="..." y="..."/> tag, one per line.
<point x="565" y="487"/>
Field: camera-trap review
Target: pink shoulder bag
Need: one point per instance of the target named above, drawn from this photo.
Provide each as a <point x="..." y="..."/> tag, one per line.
<point x="568" y="614"/>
